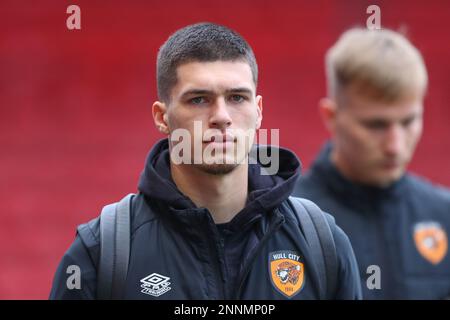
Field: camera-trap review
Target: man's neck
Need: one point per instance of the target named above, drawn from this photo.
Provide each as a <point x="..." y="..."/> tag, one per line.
<point x="344" y="168"/>
<point x="223" y="195"/>
<point x="340" y="165"/>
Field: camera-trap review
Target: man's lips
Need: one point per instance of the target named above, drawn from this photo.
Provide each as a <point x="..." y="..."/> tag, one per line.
<point x="391" y="164"/>
<point x="220" y="139"/>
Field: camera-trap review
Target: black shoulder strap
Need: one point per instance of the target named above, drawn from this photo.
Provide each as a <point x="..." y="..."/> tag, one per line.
<point x="320" y="239"/>
<point x="114" y="249"/>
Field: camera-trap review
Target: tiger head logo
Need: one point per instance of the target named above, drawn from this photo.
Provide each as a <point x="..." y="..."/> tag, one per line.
<point x="288" y="272"/>
<point x="431" y="241"/>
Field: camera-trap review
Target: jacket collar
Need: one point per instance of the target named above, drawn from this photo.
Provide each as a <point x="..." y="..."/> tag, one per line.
<point x="351" y="191"/>
<point x="266" y="192"/>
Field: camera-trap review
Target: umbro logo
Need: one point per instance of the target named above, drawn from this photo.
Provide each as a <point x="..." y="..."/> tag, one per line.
<point x="155" y="284"/>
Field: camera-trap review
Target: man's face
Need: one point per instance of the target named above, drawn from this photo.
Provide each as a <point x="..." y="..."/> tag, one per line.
<point x="218" y="97"/>
<point x="374" y="142"/>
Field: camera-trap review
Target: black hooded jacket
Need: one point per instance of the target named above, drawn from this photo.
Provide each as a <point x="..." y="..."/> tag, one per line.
<point x="401" y="229"/>
<point x="178" y="252"/>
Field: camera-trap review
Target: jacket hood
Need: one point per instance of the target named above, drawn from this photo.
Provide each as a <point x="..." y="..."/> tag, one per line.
<point x="265" y="191"/>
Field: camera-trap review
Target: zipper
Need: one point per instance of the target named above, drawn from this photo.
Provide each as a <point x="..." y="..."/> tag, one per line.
<point x="382" y="242"/>
<point x="261" y="244"/>
<point x="218" y="269"/>
<point x="213" y="248"/>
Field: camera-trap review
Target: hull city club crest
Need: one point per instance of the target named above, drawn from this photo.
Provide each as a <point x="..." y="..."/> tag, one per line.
<point x="431" y="241"/>
<point x="286" y="272"/>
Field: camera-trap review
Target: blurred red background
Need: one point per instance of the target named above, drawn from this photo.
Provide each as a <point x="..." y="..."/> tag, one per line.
<point x="75" y="118"/>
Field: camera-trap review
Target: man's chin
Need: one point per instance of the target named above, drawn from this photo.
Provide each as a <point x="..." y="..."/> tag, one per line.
<point x="216" y="169"/>
<point x="387" y="179"/>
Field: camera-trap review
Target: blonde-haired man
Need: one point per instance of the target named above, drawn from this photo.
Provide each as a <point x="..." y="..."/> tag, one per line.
<point x="397" y="223"/>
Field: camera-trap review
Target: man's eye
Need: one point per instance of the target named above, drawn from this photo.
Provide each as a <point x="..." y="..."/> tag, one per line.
<point x="197" y="100"/>
<point x="236" y="98"/>
<point x="407" y="122"/>
<point x="376" y="125"/>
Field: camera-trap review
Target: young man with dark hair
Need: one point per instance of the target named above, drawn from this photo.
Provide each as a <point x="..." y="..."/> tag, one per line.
<point x="397" y="222"/>
<point x="207" y="223"/>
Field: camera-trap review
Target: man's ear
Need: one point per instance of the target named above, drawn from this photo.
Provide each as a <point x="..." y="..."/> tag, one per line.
<point x="259" y="105"/>
<point x="159" y="112"/>
<point x="327" y="111"/>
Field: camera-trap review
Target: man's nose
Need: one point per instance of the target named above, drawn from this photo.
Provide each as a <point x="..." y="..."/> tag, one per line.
<point x="220" y="117"/>
<point x="394" y="140"/>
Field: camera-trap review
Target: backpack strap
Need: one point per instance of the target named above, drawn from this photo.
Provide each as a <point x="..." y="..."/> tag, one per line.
<point x="320" y="239"/>
<point x="114" y="249"/>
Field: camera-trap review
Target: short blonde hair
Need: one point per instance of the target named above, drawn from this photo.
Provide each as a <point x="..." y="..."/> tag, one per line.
<point x="383" y="63"/>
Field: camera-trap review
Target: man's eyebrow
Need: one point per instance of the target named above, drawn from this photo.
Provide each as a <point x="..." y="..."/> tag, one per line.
<point x="196" y="92"/>
<point x="410" y="117"/>
<point x="192" y="92"/>
<point x="242" y="90"/>
<point x="376" y="121"/>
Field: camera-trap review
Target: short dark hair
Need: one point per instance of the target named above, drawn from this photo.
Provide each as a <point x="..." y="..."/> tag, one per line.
<point x="202" y="42"/>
